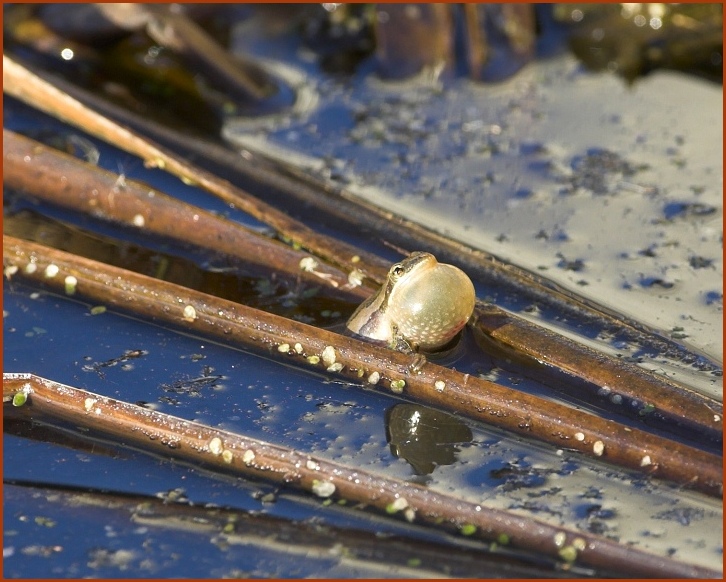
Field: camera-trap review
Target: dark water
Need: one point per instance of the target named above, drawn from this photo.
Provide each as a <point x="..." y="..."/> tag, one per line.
<point x="48" y="534"/>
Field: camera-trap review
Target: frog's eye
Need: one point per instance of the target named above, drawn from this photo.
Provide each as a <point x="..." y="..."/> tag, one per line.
<point x="396" y="271"/>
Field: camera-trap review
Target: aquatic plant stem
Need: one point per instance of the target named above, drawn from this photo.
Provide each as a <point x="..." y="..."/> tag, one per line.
<point x="38" y="170"/>
<point x="55" y="177"/>
<point x="30" y="88"/>
<point x="673" y="402"/>
<point x="222" y="451"/>
<point x="327" y="199"/>
<point x="365" y="364"/>
<point x="622" y="384"/>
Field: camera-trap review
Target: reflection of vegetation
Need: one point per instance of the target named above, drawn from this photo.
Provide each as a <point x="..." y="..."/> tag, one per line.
<point x="635" y="39"/>
<point x="150" y="77"/>
<point x="427" y="442"/>
<point x="223" y="452"/>
<point x="220" y="530"/>
<point x="150" y="59"/>
<point x="425" y="437"/>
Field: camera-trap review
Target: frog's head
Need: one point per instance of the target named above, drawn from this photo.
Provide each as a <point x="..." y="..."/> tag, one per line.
<point x="423" y="301"/>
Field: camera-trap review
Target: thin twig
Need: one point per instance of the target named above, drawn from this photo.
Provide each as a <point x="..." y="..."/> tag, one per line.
<point x="28" y="87"/>
<point x="673" y="402"/>
<point x="223" y="451"/>
<point x="52" y="176"/>
<point x="375" y="366"/>
<point x="38" y="170"/>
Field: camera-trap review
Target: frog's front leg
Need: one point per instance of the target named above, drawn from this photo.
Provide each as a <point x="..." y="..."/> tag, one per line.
<point x="401" y="344"/>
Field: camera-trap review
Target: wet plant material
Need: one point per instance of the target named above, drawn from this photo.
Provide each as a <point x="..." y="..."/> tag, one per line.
<point x="365" y="364"/>
<point x="207" y="272"/>
<point x="319" y="265"/>
<point x="226" y="452"/>
<point x="519" y="334"/>
<point x="634" y="40"/>
<point x="332" y="203"/>
<point x="291" y="347"/>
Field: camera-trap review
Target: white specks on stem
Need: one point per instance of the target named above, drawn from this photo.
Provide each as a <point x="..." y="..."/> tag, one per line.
<point x="355" y="278"/>
<point x="190" y="314"/>
<point x="308" y="264"/>
<point x="215" y="446"/>
<point x="249" y="457"/>
<point x="323" y="488"/>
<point x="70" y="285"/>
<point x="329" y="356"/>
<point x="397" y="386"/>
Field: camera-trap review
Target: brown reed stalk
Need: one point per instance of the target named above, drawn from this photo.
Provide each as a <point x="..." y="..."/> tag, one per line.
<point x="621" y="380"/>
<point x="39" y="170"/>
<point x="63" y="180"/>
<point x="672" y="401"/>
<point x="54" y="97"/>
<point x="30" y="88"/>
<point x="226" y="452"/>
<point x="369" y="365"/>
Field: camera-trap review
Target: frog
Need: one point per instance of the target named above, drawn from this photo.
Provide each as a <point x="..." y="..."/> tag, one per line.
<point x="421" y="306"/>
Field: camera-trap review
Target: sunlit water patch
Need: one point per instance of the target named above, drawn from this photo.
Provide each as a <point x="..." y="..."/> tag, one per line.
<point x="203" y="381"/>
<point x="568" y="174"/>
